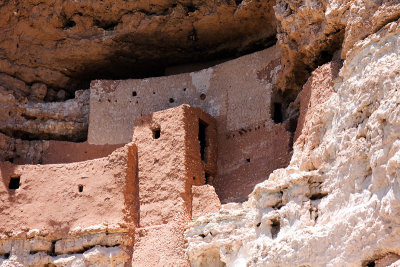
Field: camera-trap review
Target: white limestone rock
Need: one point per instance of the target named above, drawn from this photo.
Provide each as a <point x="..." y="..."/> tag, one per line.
<point x="345" y="211"/>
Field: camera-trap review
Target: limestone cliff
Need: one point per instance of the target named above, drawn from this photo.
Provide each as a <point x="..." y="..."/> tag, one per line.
<point x="337" y="202"/>
<point x="309" y="32"/>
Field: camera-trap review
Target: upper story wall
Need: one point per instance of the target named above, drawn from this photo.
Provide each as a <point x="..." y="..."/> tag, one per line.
<point x="237" y="93"/>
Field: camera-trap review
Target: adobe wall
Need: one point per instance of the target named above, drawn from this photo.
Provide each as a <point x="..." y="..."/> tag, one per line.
<point x="119" y="208"/>
<point x="172" y="157"/>
<point x="20" y="151"/>
<point x="170" y="162"/>
<point x="236" y="93"/>
<point x="69" y="152"/>
<point x="60" y="208"/>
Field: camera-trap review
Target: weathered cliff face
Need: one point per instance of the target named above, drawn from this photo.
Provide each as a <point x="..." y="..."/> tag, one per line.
<point x="309" y="32"/>
<point x="65" y="44"/>
<point x="337" y="202"/>
<point x="24" y="124"/>
<point x="32" y="120"/>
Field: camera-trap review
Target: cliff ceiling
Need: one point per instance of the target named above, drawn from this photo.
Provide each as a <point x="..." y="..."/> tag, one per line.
<point x="65" y="44"/>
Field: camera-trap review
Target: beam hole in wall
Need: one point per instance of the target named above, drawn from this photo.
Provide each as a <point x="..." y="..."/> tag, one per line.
<point x="80" y="188"/>
<point x="156" y="133"/>
<point x="134" y="93"/>
<point x="277" y="114"/>
<point x="171" y="100"/>
<point x="203" y="96"/>
<point x="248" y="160"/>
<point x="203" y="139"/>
<point x="14" y="182"/>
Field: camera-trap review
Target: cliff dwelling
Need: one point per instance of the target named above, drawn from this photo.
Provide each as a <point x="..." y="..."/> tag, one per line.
<point x="157" y="163"/>
<point x="199" y="133"/>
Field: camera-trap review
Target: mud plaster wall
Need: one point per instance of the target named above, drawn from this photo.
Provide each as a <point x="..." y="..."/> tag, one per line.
<point x="49" y="196"/>
<point x="236" y="93"/>
<point x="57" y="215"/>
<point x="169" y="163"/>
<point x="69" y="152"/>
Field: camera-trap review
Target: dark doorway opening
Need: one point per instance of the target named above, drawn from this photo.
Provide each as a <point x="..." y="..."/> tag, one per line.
<point x="277" y="114"/>
<point x="203" y="140"/>
<point x="207" y="178"/>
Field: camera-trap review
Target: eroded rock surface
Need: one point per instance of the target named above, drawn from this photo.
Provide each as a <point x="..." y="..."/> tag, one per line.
<point x="32" y="120"/>
<point x="65" y="44"/>
<point x="88" y="247"/>
<point x="309" y="32"/>
<point x="337" y="204"/>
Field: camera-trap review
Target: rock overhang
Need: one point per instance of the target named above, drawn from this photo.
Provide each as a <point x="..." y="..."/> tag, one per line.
<point x="70" y="43"/>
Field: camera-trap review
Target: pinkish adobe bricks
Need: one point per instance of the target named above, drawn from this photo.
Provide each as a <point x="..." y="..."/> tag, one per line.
<point x="137" y="199"/>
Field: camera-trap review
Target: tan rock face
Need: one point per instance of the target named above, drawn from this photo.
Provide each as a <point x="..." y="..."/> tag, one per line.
<point x="336" y="204"/>
<point x="20" y="151"/>
<point x="65" y="44"/>
<point x="309" y="32"/>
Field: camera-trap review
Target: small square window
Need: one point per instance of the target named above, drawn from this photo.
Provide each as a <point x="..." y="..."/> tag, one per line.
<point x="156" y="133"/>
<point x="14" y="182"/>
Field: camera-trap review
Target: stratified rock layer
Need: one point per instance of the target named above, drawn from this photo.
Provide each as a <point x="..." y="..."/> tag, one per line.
<point x="337" y="202"/>
<point x="33" y="120"/>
